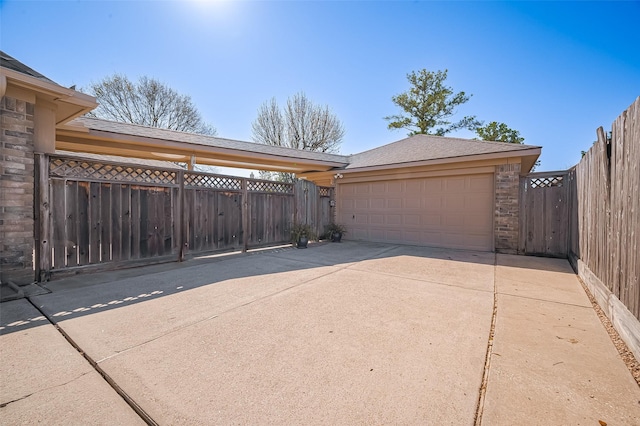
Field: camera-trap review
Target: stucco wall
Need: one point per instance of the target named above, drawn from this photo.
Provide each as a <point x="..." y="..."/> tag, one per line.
<point x="507" y="208"/>
<point x="16" y="190"/>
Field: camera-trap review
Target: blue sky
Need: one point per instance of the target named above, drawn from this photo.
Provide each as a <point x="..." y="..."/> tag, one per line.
<point x="553" y="71"/>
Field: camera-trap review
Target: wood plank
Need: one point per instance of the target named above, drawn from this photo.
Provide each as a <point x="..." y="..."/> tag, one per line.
<point x="84" y="227"/>
<point x="105" y="222"/>
<point x="94" y="222"/>
<point x="244" y="216"/>
<point x="168" y="222"/>
<point x="116" y="222"/>
<point x="58" y="223"/>
<point x="136" y="222"/>
<point x="72" y="223"/>
<point x="188" y="219"/>
<point x="125" y="206"/>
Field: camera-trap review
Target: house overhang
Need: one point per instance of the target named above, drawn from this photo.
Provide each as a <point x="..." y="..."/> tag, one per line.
<point x="82" y="139"/>
<point x="67" y="104"/>
<point x="526" y="158"/>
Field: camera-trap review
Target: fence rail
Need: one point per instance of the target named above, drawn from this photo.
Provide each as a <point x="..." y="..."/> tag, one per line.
<point x="94" y="213"/>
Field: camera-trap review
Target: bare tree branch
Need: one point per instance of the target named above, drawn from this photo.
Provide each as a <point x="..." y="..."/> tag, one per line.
<point x="148" y="102"/>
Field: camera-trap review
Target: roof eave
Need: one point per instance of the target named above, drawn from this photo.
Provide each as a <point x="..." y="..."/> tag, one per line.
<point x="83" y="140"/>
<point x="71" y="103"/>
<point x="525" y="153"/>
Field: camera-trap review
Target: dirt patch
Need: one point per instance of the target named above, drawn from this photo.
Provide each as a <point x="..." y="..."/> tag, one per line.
<point x="627" y="356"/>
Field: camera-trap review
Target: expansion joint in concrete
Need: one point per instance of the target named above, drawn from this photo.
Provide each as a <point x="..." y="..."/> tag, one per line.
<point x="487" y="362"/>
<point x="134" y="405"/>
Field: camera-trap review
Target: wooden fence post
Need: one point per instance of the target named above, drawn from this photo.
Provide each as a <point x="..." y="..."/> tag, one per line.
<point x="43" y="219"/>
<point x="245" y="215"/>
<point x="180" y="228"/>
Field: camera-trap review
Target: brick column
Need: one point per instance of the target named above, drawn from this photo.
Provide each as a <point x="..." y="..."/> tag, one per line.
<point x="507" y="208"/>
<point x="16" y="190"/>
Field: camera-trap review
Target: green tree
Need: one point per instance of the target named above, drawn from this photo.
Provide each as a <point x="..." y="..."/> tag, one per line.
<point x="499" y="132"/>
<point x="428" y="106"/>
<point x="148" y="102"/>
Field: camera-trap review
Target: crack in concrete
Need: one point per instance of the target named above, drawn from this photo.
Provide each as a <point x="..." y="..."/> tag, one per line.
<point x="487" y="365"/>
<point x="4" y="404"/>
<point x="544" y="300"/>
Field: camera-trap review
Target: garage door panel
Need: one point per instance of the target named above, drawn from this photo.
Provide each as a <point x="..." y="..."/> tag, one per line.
<point x="378" y="188"/>
<point x="395" y="186"/>
<point x="453" y="202"/>
<point x="359" y="234"/>
<point x="431" y="221"/>
<point x="481" y="183"/>
<point x="412" y="220"/>
<point x="431" y="203"/>
<point x="362" y="203"/>
<point x="454" y="220"/>
<point x="377" y="203"/>
<point x="450" y="211"/>
<point x="456" y="184"/>
<point x="413" y="186"/>
<point x="394" y="203"/>
<point x="393" y="219"/>
<point x="413" y="203"/>
<point x="376" y="219"/>
<point x="433" y="185"/>
<point x="362" y="219"/>
<point x="348" y="204"/>
<point x="362" y="188"/>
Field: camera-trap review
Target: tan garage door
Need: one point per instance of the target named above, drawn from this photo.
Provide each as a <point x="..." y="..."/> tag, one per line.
<point x="451" y="211"/>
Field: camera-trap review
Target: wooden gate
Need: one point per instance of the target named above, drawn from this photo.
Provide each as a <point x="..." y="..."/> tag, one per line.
<point x="544" y="214"/>
<point x="101" y="215"/>
<point x="94" y="213"/>
<point x="212" y="212"/>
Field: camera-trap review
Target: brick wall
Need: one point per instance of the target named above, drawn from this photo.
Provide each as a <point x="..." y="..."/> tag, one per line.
<point x="507" y="208"/>
<point x="16" y="190"/>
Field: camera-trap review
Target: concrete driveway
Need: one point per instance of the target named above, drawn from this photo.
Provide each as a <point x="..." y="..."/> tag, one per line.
<point x="347" y="333"/>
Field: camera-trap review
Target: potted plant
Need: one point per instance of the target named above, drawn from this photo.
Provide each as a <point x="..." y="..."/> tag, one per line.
<point x="335" y="232"/>
<point x="301" y="234"/>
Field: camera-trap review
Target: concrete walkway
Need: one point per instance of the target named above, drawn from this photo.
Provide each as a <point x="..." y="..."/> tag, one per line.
<point x="335" y="334"/>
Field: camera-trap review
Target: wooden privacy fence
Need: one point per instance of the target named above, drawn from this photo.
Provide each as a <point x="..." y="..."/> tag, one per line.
<point x="605" y="213"/>
<point x="544" y="214"/>
<point x="93" y="213"/>
<point x="591" y="214"/>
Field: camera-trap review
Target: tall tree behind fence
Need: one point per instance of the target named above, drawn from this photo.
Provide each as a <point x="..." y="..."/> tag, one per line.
<point x="605" y="200"/>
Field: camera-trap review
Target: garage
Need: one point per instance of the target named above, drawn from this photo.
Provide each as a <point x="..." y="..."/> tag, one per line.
<point x="444" y="211"/>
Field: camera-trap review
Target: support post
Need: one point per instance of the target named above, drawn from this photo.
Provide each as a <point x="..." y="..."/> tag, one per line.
<point x="43" y="219"/>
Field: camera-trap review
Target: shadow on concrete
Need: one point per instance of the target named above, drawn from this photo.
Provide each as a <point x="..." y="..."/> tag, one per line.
<point x="92" y="293"/>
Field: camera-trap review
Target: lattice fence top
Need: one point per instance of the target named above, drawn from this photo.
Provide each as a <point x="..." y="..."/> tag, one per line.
<point x="197" y="180"/>
<point x="324" y="191"/>
<point x="268" y="186"/>
<point x="546" y="182"/>
<point x="95" y="170"/>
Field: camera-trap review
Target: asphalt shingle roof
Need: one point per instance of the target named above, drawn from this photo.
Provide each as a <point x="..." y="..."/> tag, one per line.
<point x="428" y="147"/>
<point x="212" y="141"/>
<point x="9" y="62"/>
